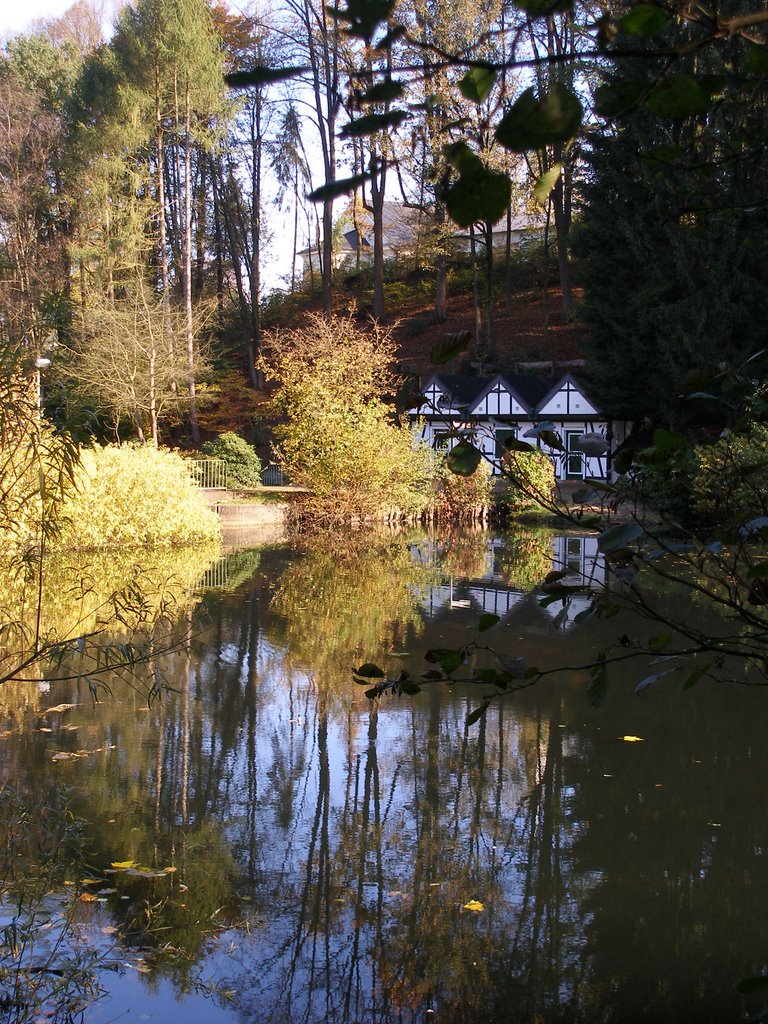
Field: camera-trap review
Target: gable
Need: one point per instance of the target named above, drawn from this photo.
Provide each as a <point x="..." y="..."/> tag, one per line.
<point x="566" y="399"/>
<point x="499" y="399"/>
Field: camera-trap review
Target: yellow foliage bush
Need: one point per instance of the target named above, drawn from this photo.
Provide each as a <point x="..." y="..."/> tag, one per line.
<point x="129" y="497"/>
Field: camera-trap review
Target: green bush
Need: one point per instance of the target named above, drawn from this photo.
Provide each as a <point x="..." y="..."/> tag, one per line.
<point x="462" y="497"/>
<point x="243" y="464"/>
<point x="129" y="496"/>
<point x="336" y="433"/>
<point x="530" y="479"/>
<point x="730" y="485"/>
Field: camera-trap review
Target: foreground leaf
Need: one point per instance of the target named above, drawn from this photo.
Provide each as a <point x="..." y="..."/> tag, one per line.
<point x="463" y="459"/>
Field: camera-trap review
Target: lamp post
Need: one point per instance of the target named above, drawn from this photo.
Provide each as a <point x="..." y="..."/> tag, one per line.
<point x="40" y="363"/>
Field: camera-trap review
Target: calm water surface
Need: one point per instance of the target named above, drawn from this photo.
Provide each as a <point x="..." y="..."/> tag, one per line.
<point x="347" y="862"/>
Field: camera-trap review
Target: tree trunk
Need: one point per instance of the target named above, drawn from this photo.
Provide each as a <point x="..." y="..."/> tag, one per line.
<point x="187" y="261"/>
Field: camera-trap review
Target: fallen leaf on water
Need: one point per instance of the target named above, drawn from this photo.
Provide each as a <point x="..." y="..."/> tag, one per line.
<point x="123" y="863"/>
<point x="88" y="897"/>
<point x="632" y="739"/>
<point x="475" y="905"/>
<point x="109" y="929"/>
<point x="58" y="707"/>
<point x="169" y="871"/>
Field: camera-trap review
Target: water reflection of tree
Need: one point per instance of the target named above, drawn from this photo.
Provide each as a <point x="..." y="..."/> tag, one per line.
<point x="340" y="601"/>
<point x="524" y="557"/>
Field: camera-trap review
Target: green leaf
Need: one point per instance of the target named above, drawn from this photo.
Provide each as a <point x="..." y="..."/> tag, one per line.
<point x="478" y="82"/>
<point x="615" y="538"/>
<point x="340" y="187"/>
<point x="679" y="96"/>
<point x="480" y="194"/>
<point x="659" y="642"/>
<point x="369" y="671"/>
<point x="463" y="459"/>
<point x="695" y="676"/>
<point x="552" y="439"/>
<point x="368" y="124"/>
<point x="382" y="92"/>
<point x="591" y="444"/>
<point x="512" y="444"/>
<point x="617" y="98"/>
<point x="546" y="183"/>
<point x="599" y="685"/>
<point x="363" y="17"/>
<point x="532" y="123"/>
<point x="753" y="984"/>
<point x="260" y="74"/>
<point x="477" y="714"/>
<point x="410" y="689"/>
<point x="649" y="680"/>
<point x="450" y="661"/>
<point x="486" y="621"/>
<point x="541" y="8"/>
<point x="756" y="59"/>
<point x="644" y="20"/>
<point x="449" y="346"/>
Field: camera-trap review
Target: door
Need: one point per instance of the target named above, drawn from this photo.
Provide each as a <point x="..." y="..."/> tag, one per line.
<point x="574" y="460"/>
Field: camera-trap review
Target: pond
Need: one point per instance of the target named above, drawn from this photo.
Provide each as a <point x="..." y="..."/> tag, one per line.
<point x="265" y="844"/>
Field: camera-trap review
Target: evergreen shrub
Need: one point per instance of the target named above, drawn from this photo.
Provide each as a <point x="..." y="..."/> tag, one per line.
<point x="243" y="464"/>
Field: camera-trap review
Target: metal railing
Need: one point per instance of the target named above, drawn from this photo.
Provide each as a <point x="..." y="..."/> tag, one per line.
<point x="273" y="476"/>
<point x="210" y="474"/>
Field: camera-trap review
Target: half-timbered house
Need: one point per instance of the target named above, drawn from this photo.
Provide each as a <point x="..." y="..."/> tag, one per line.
<point x="489" y="410"/>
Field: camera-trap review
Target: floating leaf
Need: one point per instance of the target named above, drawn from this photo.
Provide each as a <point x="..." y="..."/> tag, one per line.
<point x="121" y="865"/>
<point x="463" y="459"/>
<point x="87" y="897"/>
<point x="532" y="122"/>
<point x="450" y="345"/>
<point x="474" y="905"/>
<point x="632" y="739"/>
<point x="478" y="82"/>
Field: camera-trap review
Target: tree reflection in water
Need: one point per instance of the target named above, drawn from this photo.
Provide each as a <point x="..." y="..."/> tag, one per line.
<point x="338" y="844"/>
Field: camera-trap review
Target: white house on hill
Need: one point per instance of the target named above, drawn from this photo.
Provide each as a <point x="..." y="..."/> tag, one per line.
<point x="489" y="410"/>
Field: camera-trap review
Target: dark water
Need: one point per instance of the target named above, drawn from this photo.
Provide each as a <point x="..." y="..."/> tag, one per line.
<point x="347" y="862"/>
